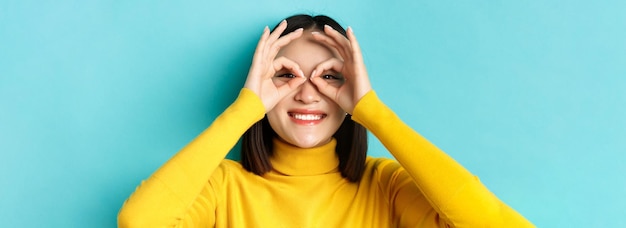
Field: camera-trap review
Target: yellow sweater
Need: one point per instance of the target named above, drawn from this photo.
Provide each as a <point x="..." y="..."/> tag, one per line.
<point x="425" y="188"/>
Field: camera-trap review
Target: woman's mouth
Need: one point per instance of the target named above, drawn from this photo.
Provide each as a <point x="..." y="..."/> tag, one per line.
<point x="306" y="117"/>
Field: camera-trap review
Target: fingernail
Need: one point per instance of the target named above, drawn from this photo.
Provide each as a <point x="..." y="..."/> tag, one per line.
<point x="302" y="74"/>
<point x="312" y="75"/>
<point x="283" y="22"/>
<point x="328" y="26"/>
<point x="314" y="33"/>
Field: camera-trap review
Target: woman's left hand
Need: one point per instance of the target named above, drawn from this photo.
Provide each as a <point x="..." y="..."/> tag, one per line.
<point x="352" y="68"/>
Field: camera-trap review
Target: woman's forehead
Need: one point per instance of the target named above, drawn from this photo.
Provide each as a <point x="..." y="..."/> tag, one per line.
<point x="305" y="50"/>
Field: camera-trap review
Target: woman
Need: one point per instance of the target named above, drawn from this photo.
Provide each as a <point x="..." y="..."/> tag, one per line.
<point x="302" y="109"/>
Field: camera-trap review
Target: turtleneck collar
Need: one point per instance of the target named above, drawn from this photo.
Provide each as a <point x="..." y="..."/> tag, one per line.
<point x="291" y="160"/>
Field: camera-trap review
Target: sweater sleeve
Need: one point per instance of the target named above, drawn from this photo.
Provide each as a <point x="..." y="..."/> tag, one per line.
<point x="166" y="199"/>
<point x="458" y="197"/>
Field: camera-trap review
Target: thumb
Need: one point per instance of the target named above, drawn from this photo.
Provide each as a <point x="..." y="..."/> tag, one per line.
<point x="290" y="86"/>
<point x="324" y="87"/>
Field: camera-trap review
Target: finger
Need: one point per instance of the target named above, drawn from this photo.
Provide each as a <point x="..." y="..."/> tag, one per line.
<point x="290" y="86"/>
<point x="258" y="58"/>
<point x="331" y="64"/>
<point x="283" y="41"/>
<point x="279" y="30"/>
<point x="274" y="35"/>
<point x="356" y="48"/>
<point x="264" y="36"/>
<point x="285" y="63"/>
<point x="341" y="40"/>
<point x="324" y="87"/>
<point x="329" y="42"/>
<point x="261" y="44"/>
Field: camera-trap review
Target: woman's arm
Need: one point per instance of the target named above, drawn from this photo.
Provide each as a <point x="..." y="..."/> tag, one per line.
<point x="169" y="198"/>
<point x="454" y="193"/>
<point x="164" y="199"/>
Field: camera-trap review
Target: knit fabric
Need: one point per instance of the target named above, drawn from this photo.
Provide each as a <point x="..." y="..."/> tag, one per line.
<point x="424" y="188"/>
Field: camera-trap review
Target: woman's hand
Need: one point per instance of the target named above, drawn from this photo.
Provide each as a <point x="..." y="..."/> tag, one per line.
<point x="265" y="65"/>
<point x="352" y="68"/>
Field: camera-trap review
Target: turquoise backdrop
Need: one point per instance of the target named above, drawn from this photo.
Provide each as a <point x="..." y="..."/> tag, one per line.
<point x="528" y="95"/>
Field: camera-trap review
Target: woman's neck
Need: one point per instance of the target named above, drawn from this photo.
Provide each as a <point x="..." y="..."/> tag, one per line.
<point x="291" y="160"/>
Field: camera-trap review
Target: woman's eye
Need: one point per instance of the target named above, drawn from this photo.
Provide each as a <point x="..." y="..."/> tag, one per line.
<point x="282" y="78"/>
<point x="334" y="80"/>
<point x="286" y="76"/>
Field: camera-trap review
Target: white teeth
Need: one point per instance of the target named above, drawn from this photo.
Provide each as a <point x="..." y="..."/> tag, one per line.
<point x="307" y="116"/>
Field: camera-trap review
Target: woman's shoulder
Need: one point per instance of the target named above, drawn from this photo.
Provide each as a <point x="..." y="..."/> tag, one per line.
<point x="382" y="167"/>
<point x="386" y="173"/>
<point x="227" y="169"/>
<point x="230" y="164"/>
<point x="379" y="162"/>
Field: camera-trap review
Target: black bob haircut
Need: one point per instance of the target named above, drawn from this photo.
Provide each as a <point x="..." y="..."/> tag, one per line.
<point x="257" y="146"/>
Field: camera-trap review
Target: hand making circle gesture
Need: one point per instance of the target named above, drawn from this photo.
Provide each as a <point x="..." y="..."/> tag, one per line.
<point x="352" y="68"/>
<point x="265" y="65"/>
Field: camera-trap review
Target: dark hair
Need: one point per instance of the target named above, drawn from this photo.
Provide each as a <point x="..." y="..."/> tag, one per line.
<point x="257" y="146"/>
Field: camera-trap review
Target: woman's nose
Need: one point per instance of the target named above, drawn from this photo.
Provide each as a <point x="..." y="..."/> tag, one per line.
<point x="308" y="93"/>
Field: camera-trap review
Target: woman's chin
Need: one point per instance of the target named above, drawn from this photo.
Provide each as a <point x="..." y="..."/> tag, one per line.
<point x="307" y="142"/>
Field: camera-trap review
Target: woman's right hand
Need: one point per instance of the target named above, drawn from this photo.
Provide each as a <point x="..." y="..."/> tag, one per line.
<point x="265" y="65"/>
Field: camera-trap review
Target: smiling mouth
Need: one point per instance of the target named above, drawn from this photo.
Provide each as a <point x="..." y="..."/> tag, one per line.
<point x="307" y="117"/>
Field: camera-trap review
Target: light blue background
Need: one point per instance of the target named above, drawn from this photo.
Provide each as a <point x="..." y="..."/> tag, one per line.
<point x="528" y="95"/>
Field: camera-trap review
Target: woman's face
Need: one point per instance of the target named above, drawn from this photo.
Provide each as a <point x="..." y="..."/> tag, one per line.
<point x="306" y="118"/>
